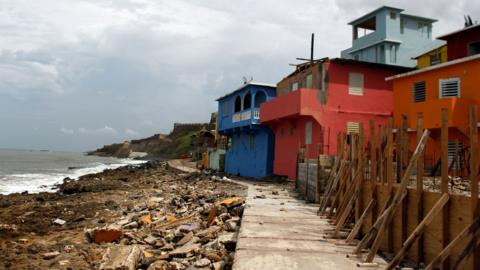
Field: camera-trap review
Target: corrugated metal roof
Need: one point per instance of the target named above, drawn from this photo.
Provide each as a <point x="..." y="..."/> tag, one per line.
<point x="443" y="37"/>
<point x="442" y="65"/>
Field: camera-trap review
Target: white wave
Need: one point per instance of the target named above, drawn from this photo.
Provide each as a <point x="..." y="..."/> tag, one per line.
<point x="39" y="182"/>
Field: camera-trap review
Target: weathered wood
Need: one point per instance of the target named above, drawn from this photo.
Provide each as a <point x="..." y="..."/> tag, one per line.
<point x="437" y="208"/>
<point x="374" y="229"/>
<point x="403" y="161"/>
<point x="358" y="224"/>
<point x="361" y="166"/>
<point x="389" y="175"/>
<point x="420" y="174"/>
<point x="467" y="251"/>
<point x="397" y="197"/>
<point x="474" y="174"/>
<point x="444" y="181"/>
<point x="465" y="236"/>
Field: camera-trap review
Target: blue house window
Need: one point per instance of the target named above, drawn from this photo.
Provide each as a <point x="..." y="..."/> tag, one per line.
<point x="238" y="104"/>
<point x="260" y="98"/>
<point x="225" y="107"/>
<point x="247" y="101"/>
<point x="252" y="141"/>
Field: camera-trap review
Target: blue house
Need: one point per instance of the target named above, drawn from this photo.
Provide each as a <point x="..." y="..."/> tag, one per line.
<point x="251" y="148"/>
<point x="389" y="36"/>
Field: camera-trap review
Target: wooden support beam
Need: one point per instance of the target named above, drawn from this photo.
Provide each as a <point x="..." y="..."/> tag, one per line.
<point x="374" y="229"/>
<point x="361" y="166"/>
<point x="473" y="136"/>
<point x="420" y="174"/>
<point x="358" y="224"/>
<point x="389" y="175"/>
<point x="465" y="236"/>
<point x="398" y="196"/>
<point x="444" y="181"/>
<point x="375" y="142"/>
<point x="467" y="251"/>
<point x="404" y="150"/>
<point x="419" y="230"/>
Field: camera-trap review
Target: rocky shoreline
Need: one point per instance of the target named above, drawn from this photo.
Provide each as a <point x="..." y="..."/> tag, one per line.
<point x="135" y="217"/>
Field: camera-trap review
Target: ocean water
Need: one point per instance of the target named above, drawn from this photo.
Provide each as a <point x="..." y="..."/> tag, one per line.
<point x="37" y="171"/>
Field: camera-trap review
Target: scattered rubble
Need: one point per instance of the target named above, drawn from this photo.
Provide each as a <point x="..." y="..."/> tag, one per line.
<point x="156" y="219"/>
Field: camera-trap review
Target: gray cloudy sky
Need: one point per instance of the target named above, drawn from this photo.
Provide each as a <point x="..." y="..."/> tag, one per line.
<point x="75" y="75"/>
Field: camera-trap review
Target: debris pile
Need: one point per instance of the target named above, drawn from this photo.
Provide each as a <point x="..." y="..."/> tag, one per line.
<point x="150" y="218"/>
<point x="185" y="229"/>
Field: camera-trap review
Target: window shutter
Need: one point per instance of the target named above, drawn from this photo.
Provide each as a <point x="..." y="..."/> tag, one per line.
<point x="353" y="127"/>
<point x="355" y="84"/>
<point x="308" y="132"/>
<point x="450" y="87"/>
<point x="419" y="90"/>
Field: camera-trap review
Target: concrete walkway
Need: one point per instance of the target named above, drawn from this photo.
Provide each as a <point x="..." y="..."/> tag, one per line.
<point x="282" y="232"/>
<point x="279" y="231"/>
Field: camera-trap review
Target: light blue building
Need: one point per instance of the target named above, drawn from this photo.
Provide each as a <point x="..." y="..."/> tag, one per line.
<point x="389" y="36"/>
<point x="252" y="144"/>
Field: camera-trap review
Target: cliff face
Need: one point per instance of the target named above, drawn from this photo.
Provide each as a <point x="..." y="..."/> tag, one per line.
<point x="164" y="146"/>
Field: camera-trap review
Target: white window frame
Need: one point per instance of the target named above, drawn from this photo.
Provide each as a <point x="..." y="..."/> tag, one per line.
<point x="440" y="81"/>
<point x="353" y="127"/>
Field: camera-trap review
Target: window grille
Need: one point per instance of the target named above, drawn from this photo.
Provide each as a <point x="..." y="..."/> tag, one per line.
<point x="419" y="91"/>
<point x="449" y="87"/>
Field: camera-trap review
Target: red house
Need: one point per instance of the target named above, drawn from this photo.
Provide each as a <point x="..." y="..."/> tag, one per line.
<point x="463" y="43"/>
<point x="319" y="100"/>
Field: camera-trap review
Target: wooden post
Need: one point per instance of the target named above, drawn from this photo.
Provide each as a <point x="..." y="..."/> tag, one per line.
<point x="361" y="168"/>
<point x="358" y="224"/>
<point x="419" y="231"/>
<point x="397" y="199"/>
<point x="474" y="176"/>
<point x="373" y="169"/>
<point x="444" y="181"/>
<point x="404" y="150"/>
<point x="420" y="173"/>
<point x="389" y="176"/>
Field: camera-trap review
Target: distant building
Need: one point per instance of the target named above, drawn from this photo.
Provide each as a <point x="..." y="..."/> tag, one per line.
<point x="435" y="56"/>
<point x="389" y="36"/>
<point x="251" y="149"/>
<point x="462" y="43"/>
<point x="319" y="100"/>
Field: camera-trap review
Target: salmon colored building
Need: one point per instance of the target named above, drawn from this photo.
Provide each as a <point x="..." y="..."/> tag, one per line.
<point x="322" y="98"/>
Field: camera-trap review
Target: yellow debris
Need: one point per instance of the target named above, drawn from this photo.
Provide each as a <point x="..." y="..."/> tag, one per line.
<point x="170" y="218"/>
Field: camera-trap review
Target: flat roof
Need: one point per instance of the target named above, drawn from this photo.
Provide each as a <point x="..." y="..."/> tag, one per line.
<point x="443" y="37"/>
<point x="442" y="65"/>
<point x="436" y="44"/>
<point x="371" y="13"/>
<point x="339" y="60"/>
<point x="368" y="15"/>
<point x="245" y="85"/>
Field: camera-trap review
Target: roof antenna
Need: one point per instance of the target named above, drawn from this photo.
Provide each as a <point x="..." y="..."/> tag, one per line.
<point x="247" y="81"/>
<point x="311" y="48"/>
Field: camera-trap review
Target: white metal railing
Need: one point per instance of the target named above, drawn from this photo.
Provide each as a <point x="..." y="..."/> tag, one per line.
<point x="256" y="114"/>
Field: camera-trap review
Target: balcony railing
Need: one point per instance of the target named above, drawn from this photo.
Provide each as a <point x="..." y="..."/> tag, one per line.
<point x="256" y="114"/>
<point x="246" y="115"/>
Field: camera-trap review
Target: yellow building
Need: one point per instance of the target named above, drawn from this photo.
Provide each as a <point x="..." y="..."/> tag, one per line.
<point x="435" y="56"/>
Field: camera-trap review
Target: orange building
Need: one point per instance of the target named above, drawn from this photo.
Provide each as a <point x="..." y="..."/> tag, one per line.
<point x="452" y="85"/>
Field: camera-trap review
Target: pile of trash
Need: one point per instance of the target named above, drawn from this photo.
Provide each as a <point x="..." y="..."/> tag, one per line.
<point x="184" y="227"/>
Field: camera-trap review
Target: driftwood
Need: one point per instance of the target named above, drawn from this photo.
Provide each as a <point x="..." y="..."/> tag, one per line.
<point x="122" y="258"/>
